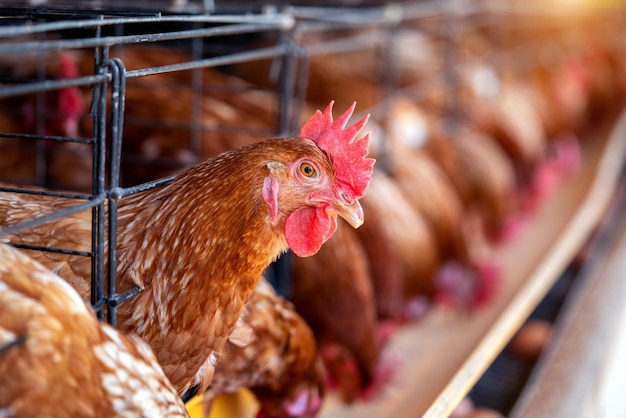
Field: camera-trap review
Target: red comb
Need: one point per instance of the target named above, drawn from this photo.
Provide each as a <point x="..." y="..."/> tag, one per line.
<point x="349" y="155"/>
<point x="68" y="68"/>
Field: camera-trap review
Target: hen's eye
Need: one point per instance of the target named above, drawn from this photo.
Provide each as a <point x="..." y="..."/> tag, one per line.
<point x="307" y="170"/>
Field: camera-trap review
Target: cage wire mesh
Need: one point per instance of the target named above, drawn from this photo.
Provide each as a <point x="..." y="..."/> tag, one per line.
<point x="98" y="104"/>
<point x="73" y="80"/>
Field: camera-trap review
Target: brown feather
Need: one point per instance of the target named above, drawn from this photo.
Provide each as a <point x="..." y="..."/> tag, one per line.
<point x="197" y="247"/>
<point x="280" y="361"/>
<point x="69" y="364"/>
<point x="328" y="289"/>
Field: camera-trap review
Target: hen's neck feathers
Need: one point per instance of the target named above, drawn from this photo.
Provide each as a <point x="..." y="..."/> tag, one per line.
<point x="207" y="234"/>
<point x="213" y="213"/>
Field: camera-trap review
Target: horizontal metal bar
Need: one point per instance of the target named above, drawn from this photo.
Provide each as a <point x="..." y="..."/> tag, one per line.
<point x="115" y="300"/>
<point x="231" y="29"/>
<point x="31" y="223"/>
<point x="50" y="193"/>
<point x="24" y="8"/>
<point x="20" y="339"/>
<point x="48" y="85"/>
<point x="121" y="192"/>
<point x="51" y="250"/>
<point x="278" y="21"/>
<point x="47" y="138"/>
<point x="257" y="54"/>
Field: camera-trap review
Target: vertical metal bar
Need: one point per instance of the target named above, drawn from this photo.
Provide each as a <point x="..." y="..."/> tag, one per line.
<point x="98" y="189"/>
<point x="118" y="90"/>
<point x="197" y="84"/>
<point x="285" y="88"/>
<point x="40" y="122"/>
<point x="97" y="111"/>
<point x="281" y="271"/>
<point x="301" y="80"/>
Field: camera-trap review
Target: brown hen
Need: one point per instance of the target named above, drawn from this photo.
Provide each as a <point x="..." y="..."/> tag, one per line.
<point x="198" y="245"/>
<point x="333" y="292"/>
<point x="401" y="249"/>
<point x="57" y="360"/>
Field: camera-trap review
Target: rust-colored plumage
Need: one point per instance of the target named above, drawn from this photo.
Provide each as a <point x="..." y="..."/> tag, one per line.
<point x="512" y="119"/>
<point x="57" y="360"/>
<point x="481" y="173"/>
<point x="279" y="363"/>
<point x="327" y="290"/>
<point x="401" y="249"/>
<point x="198" y="245"/>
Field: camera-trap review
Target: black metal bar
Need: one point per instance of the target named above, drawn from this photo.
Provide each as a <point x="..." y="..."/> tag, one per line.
<point x="263" y="22"/>
<point x="388" y="82"/>
<point x="23" y="10"/>
<point x="257" y="54"/>
<point x="197" y="85"/>
<point x="232" y="29"/>
<point x="113" y="301"/>
<point x="285" y="86"/>
<point x="98" y="186"/>
<point x="31" y="223"/>
<point x="40" y="124"/>
<point x="301" y="79"/>
<point x="47" y="138"/>
<point x="121" y="192"/>
<point x="45" y="193"/>
<point x="51" y="249"/>
<point x="19" y="340"/>
<point x="98" y="308"/>
<point x="47" y="85"/>
<point x="118" y="91"/>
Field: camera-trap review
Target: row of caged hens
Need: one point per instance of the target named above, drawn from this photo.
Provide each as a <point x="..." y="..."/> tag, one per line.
<point x="197" y="247"/>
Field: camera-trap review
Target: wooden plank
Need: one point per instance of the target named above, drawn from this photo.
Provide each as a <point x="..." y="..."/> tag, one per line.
<point x="582" y="373"/>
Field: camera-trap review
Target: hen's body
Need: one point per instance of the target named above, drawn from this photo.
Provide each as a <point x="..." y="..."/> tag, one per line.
<point x="215" y="275"/>
<point x="164" y="239"/>
<point x="198" y="245"/>
<point x="405" y="233"/>
<point x="327" y="289"/>
<point x="59" y="361"/>
<point x="280" y="363"/>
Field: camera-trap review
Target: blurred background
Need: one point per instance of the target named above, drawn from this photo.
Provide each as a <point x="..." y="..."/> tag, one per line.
<point x="498" y="132"/>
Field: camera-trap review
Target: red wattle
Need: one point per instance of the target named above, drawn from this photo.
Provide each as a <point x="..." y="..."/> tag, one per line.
<point x="307" y="229"/>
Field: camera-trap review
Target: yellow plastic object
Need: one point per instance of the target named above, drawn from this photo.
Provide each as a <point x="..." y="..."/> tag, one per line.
<point x="241" y="404"/>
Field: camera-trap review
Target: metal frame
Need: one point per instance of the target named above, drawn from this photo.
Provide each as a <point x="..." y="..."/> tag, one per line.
<point x="109" y="81"/>
<point x="291" y="54"/>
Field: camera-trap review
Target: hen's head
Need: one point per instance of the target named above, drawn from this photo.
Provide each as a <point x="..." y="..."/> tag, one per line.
<point x="329" y="181"/>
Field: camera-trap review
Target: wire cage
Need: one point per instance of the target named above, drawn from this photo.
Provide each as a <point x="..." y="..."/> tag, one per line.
<point x="81" y="86"/>
<point x="97" y="104"/>
<point x="74" y="80"/>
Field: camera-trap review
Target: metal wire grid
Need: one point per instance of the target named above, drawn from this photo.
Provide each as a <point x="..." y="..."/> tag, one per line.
<point x="368" y="29"/>
<point x="107" y="89"/>
<point x="522" y="37"/>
